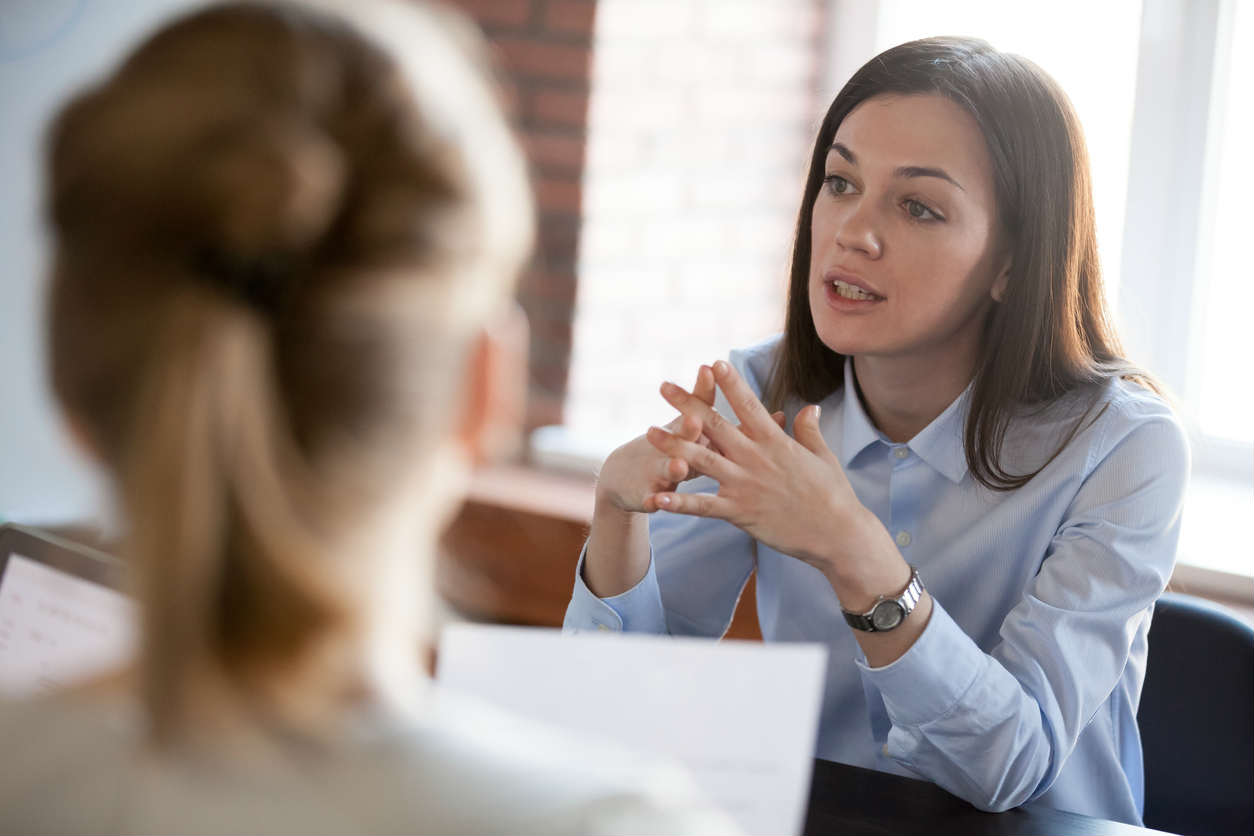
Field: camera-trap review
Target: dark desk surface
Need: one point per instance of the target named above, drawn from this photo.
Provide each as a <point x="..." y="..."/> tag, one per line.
<point x="849" y="799"/>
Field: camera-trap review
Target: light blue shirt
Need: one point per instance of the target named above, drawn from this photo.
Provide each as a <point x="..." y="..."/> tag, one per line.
<point x="1025" y="683"/>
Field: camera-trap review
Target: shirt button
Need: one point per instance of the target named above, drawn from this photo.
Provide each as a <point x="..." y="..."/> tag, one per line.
<point x="903" y="538"/>
<point x="901" y="452"/>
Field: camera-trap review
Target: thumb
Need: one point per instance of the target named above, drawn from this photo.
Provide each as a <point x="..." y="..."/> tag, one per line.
<point x="806" y="430"/>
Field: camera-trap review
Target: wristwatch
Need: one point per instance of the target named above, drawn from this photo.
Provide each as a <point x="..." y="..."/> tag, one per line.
<point x="888" y="612"/>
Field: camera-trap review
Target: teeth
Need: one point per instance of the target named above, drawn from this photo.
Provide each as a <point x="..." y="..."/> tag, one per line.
<point x="850" y="291"/>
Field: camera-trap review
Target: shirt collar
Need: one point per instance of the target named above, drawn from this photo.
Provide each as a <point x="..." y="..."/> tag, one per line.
<point x="858" y="432"/>
<point x="939" y="444"/>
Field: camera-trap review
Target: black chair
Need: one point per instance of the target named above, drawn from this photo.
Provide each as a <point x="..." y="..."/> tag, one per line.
<point x="1197" y="719"/>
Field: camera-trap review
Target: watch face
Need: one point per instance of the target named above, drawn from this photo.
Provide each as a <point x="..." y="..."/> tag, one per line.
<point x="887" y="615"/>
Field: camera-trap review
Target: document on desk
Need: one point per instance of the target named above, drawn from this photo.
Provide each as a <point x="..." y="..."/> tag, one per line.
<point x="742" y="716"/>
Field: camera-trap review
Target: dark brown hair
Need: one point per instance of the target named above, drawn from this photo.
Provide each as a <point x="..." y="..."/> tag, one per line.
<point x="1051" y="334"/>
<point x="274" y="240"/>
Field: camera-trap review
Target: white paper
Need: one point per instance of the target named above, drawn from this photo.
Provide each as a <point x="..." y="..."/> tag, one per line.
<point x="57" y="629"/>
<point x="742" y="716"/>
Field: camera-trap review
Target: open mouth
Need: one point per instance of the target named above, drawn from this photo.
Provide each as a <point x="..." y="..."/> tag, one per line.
<point x="853" y="292"/>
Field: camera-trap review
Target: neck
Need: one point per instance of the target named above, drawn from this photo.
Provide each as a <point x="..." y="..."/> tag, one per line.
<point x="902" y="395"/>
<point x="396" y="622"/>
<point x="399" y="618"/>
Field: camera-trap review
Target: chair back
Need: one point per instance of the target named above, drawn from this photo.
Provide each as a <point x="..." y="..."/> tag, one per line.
<point x="1197" y="719"/>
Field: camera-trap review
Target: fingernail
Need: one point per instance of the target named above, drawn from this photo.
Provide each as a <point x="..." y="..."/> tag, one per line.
<point x="818" y="410"/>
<point x="720" y="367"/>
<point x="663" y="500"/>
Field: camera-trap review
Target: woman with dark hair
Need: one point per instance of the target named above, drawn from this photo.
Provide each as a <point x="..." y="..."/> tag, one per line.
<point x="980" y="498"/>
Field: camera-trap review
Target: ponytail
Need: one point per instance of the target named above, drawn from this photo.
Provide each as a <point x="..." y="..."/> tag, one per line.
<point x="231" y="574"/>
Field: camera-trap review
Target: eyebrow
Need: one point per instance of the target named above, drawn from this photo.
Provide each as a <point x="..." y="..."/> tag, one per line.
<point x="902" y="171"/>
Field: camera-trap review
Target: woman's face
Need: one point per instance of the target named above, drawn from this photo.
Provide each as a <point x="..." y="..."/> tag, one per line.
<point x="905" y="257"/>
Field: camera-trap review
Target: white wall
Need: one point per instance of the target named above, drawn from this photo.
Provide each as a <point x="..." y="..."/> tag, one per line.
<point x="48" y="48"/>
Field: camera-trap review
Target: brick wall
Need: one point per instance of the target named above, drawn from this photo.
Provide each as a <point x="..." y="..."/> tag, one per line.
<point x="702" y="116"/>
<point x="544" y="50"/>
<point x="668" y="163"/>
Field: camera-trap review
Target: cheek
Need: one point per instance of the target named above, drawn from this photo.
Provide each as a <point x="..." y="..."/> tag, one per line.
<point x="952" y="267"/>
<point x="823" y="226"/>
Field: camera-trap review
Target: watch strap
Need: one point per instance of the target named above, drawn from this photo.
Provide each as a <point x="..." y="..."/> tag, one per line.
<point x="907" y="600"/>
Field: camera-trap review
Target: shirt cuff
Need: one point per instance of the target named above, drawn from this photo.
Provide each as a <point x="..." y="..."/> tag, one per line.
<point x="928" y="680"/>
<point x="638" y="610"/>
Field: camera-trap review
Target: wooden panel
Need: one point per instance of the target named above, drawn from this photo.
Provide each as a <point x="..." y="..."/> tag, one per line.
<point x="509" y="565"/>
<point x="745" y="622"/>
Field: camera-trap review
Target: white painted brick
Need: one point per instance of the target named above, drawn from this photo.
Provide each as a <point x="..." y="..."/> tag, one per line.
<point x="701" y="121"/>
<point x="626" y="20"/>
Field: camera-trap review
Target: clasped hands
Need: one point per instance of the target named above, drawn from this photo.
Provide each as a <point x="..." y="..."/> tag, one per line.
<point x="788" y="492"/>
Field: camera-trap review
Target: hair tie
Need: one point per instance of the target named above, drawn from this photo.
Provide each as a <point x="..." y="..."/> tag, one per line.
<point x="262" y="282"/>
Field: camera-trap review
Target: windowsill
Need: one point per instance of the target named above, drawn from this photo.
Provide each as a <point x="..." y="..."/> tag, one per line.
<point x="543" y="491"/>
<point x="559" y="449"/>
<point x="1236" y="592"/>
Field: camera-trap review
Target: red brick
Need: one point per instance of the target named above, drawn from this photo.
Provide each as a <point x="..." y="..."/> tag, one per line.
<point x="538" y="59"/>
<point x="549" y="285"/>
<point x="555" y="262"/>
<point x="559" y="231"/>
<point x="570" y="17"/>
<point x="497" y="12"/>
<point x="543" y="410"/>
<point x="550" y="347"/>
<point x="550" y="318"/>
<point x="559" y="108"/>
<point x="550" y="342"/>
<point x="558" y="194"/>
<point x="509" y="99"/>
<point x="554" y="152"/>
<point x="550" y="377"/>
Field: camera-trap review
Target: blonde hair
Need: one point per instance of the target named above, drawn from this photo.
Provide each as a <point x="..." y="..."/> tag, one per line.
<point x="275" y="232"/>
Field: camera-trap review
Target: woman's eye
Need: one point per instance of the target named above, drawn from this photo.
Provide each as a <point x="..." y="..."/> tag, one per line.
<point x="920" y="212"/>
<point x="837" y="184"/>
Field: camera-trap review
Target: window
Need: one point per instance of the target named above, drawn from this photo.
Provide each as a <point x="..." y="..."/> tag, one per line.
<point x="1216" y="386"/>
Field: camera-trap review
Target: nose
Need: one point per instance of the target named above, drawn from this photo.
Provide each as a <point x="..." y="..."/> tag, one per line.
<point x="858" y="233"/>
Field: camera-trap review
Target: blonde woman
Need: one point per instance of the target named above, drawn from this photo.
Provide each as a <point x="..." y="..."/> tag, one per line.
<point x="284" y="245"/>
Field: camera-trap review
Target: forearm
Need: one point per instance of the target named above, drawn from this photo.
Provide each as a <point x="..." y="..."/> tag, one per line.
<point x="868" y="566"/>
<point x="618" y="550"/>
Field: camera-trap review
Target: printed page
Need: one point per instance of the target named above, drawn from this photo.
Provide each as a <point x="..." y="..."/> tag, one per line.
<point x="57" y="629"/>
<point x="742" y="716"/>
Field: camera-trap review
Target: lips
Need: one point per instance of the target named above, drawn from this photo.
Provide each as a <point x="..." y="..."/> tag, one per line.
<point x="851" y="286"/>
<point x="839" y="277"/>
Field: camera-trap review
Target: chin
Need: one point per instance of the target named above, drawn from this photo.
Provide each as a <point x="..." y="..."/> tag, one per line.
<point x="839" y="341"/>
<point x="841" y="337"/>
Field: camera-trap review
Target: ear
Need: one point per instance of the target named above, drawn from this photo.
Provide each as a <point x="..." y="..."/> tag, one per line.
<point x="998" y="291"/>
<point x="496" y="387"/>
<point x="81" y="438"/>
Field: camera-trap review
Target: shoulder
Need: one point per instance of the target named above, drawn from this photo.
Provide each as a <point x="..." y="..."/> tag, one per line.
<point x="754" y="362"/>
<point x="1115" y="424"/>
<point x="453" y="766"/>
<point x="68" y="750"/>
<point x="1134" y="424"/>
